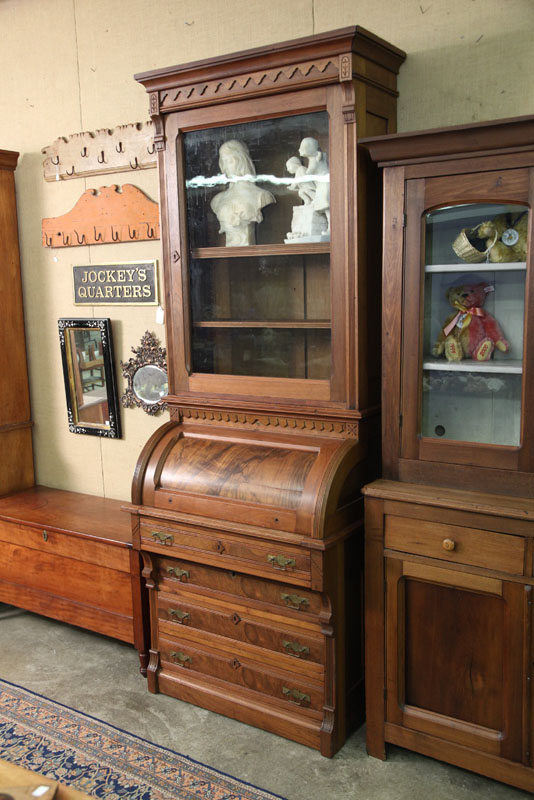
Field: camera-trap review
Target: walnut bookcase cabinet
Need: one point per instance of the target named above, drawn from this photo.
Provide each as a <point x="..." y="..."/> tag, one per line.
<point x="450" y="527"/>
<point x="247" y="505"/>
<point x="62" y="554"/>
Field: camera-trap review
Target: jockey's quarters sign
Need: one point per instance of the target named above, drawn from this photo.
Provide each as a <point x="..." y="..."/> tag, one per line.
<point x="129" y="283"/>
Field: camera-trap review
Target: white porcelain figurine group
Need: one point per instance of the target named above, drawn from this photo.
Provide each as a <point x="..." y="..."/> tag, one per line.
<point x="239" y="207"/>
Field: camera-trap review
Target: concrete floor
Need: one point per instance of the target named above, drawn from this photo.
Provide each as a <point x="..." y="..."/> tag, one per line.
<point x="100" y="676"/>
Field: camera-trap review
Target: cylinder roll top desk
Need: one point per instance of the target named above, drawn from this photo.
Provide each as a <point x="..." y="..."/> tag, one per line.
<point x="247" y="506"/>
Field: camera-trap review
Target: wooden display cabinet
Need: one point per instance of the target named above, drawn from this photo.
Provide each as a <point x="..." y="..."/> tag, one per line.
<point x="450" y="529"/>
<point x="247" y="506"/>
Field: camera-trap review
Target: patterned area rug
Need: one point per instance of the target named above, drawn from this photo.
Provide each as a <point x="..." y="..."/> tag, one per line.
<point x="101" y="760"/>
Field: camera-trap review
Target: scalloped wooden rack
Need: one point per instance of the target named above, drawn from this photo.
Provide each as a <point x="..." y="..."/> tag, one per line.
<point x="109" y="214"/>
<point x="125" y="147"/>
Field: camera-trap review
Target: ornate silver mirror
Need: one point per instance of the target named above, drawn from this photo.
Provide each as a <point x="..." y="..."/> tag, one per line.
<point x="89" y="374"/>
<point x="146" y="375"/>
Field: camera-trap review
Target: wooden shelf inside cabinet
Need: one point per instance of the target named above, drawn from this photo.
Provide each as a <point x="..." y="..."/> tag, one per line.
<point x="485" y="266"/>
<point x="259" y="250"/>
<point x="510" y="366"/>
<point x="262" y="324"/>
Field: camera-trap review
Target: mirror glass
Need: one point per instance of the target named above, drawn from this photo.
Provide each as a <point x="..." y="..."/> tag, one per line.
<point x="86" y="350"/>
<point x="150" y="384"/>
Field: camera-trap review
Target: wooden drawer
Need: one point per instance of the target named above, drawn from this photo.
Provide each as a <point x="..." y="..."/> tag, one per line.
<point x="227" y="624"/>
<point x="472" y="546"/>
<point x="171" y="573"/>
<point x="68" y="545"/>
<point x="178" y="654"/>
<point x="223" y="549"/>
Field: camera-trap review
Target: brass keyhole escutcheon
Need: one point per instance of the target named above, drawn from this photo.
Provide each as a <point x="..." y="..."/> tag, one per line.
<point x="45" y="536"/>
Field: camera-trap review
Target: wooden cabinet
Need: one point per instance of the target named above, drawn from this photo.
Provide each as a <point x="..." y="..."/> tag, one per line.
<point x="16" y="465"/>
<point x="449" y="531"/>
<point x="247" y="506"/>
<point x="449" y="646"/>
<point x="467" y="417"/>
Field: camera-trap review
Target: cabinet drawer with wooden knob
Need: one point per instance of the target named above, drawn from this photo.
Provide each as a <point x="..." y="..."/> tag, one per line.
<point x="471" y="546"/>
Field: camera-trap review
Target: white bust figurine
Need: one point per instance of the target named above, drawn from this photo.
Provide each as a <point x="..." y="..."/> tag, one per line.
<point x="238" y="207"/>
<point x="317" y="165"/>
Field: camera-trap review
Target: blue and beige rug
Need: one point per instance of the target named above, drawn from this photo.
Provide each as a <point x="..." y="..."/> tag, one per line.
<point x="101" y="760"/>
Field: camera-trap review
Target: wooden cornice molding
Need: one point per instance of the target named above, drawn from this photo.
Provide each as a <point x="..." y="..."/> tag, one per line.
<point x="8" y="159"/>
<point x="477" y="138"/>
<point x="300" y="63"/>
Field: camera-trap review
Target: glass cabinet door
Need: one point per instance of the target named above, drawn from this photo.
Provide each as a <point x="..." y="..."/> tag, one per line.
<point x="257" y="198"/>
<point x="473" y="323"/>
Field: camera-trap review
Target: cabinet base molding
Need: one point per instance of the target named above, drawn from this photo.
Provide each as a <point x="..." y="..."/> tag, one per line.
<point x="304" y="729"/>
<point x="485" y="764"/>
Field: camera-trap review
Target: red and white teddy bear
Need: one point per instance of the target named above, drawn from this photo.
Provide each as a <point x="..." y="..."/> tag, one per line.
<point x="470" y="332"/>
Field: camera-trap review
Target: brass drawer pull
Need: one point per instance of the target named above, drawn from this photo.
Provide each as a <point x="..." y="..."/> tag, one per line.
<point x="294" y="601"/>
<point x="176" y="613"/>
<point x="179" y="573"/>
<point x="165" y="538"/>
<point x="45" y="536"/>
<point x="448" y="544"/>
<point x="281" y="562"/>
<point x="294" y="696"/>
<point x="181" y="658"/>
<point x="296" y="649"/>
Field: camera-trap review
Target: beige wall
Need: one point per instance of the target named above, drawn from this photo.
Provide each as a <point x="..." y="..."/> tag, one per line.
<point x="67" y="66"/>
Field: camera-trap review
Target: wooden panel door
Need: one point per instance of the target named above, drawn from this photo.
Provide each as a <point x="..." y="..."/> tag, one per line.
<point x="455" y="665"/>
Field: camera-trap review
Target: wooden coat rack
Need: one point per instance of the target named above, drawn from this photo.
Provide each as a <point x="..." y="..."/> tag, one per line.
<point x="125" y="147"/>
<point x="109" y="214"/>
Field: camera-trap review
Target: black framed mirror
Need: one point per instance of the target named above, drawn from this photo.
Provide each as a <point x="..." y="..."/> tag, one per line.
<point x="89" y="374"/>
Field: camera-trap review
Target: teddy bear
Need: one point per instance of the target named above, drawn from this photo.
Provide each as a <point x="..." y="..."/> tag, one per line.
<point x="470" y="332"/>
<point x="505" y="237"/>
